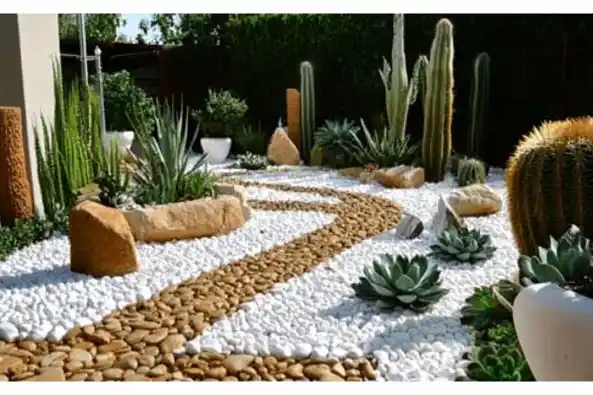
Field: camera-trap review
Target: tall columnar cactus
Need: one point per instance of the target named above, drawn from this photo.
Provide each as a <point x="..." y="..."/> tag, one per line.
<point x="438" y="108"/>
<point x="419" y="77"/>
<point x="307" y="110"/>
<point x="549" y="183"/>
<point x="400" y="93"/>
<point x="293" y="116"/>
<point x="15" y="190"/>
<point x="479" y="98"/>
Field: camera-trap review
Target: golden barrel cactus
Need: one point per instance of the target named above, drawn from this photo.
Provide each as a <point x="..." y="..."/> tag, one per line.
<point x="550" y="183"/>
<point x="15" y="189"/>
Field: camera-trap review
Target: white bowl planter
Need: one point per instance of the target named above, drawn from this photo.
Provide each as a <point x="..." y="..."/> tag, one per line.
<point x="554" y="327"/>
<point x="124" y="138"/>
<point x="216" y="149"/>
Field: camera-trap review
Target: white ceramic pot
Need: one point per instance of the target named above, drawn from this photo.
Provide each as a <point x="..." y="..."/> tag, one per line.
<point x="555" y="328"/>
<point x="124" y="138"/>
<point x="216" y="149"/>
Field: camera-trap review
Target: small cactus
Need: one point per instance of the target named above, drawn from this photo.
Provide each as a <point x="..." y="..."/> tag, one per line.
<point x="308" y="123"/>
<point x="480" y="91"/>
<point x="471" y="171"/>
<point x="438" y="109"/>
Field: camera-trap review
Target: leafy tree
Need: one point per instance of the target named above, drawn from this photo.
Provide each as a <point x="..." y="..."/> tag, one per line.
<point x="188" y="29"/>
<point x="99" y="27"/>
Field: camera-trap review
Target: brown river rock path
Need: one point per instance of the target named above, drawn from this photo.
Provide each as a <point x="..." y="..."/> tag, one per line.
<point x="136" y="343"/>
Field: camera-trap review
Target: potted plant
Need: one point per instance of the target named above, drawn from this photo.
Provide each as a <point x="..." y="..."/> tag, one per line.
<point x="220" y="117"/>
<point x="123" y="99"/>
<point x="553" y="314"/>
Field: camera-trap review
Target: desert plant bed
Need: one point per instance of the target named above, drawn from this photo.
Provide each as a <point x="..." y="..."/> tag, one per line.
<point x="273" y="300"/>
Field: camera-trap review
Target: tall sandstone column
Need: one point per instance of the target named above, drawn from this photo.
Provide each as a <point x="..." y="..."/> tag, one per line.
<point x="29" y="43"/>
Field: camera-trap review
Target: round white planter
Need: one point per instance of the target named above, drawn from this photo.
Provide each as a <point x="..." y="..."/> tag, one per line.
<point x="124" y="138"/>
<point x="216" y="149"/>
<point x="555" y="327"/>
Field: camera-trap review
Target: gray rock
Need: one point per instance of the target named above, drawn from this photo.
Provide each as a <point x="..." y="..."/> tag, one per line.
<point x="409" y="227"/>
<point x="445" y="217"/>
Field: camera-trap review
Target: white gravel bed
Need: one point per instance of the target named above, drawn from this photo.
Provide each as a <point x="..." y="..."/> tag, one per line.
<point x="317" y="313"/>
<point x="274" y="195"/>
<point x="41" y="298"/>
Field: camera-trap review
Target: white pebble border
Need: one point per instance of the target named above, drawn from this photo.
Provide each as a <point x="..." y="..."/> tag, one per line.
<point x="317" y="314"/>
<point x="274" y="195"/>
<point x="40" y="298"/>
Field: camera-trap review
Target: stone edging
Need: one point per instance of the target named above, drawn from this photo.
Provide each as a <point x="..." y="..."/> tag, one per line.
<point x="136" y="343"/>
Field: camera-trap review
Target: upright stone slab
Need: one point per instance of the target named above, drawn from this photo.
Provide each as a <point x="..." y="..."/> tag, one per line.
<point x="30" y="43"/>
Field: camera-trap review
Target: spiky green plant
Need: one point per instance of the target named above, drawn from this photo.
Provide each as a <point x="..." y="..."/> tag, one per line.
<point x="483" y="310"/>
<point x="251" y="161"/>
<point x="380" y="149"/>
<point x="567" y="262"/>
<point x="438" y="108"/>
<point x="308" y="122"/>
<point x="335" y="139"/>
<point x="463" y="245"/>
<point x="114" y="181"/>
<point x="498" y="363"/>
<point x="479" y="98"/>
<point x="400" y="93"/>
<point x="70" y="152"/>
<point x="160" y="177"/>
<point x="471" y="171"/>
<point x="400" y="281"/>
<point x="252" y="140"/>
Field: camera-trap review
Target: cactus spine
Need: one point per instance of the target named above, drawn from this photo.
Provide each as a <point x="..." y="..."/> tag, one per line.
<point x="400" y="93"/>
<point x="471" y="171"/>
<point x="438" y="109"/>
<point x="480" y="91"/>
<point x="293" y="116"/>
<point x="15" y="189"/>
<point x="307" y="110"/>
<point x="549" y="183"/>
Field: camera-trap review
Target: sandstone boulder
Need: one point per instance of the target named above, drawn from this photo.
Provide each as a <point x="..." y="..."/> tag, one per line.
<point x="475" y="200"/>
<point x="238" y="191"/>
<point x="101" y="242"/>
<point x="186" y="220"/>
<point x="282" y="150"/>
<point x="400" y="177"/>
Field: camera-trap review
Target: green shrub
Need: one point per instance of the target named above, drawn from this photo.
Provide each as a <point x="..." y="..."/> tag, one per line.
<point x="22" y="233"/>
<point x="222" y="114"/>
<point x="251" y="161"/>
<point x="122" y="98"/>
<point x="251" y="140"/>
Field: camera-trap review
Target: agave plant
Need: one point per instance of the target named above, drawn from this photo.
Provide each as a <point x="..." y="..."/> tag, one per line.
<point x="252" y="140"/>
<point x="463" y="245"/>
<point x="160" y="177"/>
<point x="252" y="161"/>
<point x="335" y="138"/>
<point x="401" y="282"/>
<point x="567" y="262"/>
<point x="498" y="363"/>
<point x="483" y="310"/>
<point x="380" y="148"/>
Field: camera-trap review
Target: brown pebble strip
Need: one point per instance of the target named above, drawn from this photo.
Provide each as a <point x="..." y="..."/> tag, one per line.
<point x="137" y="342"/>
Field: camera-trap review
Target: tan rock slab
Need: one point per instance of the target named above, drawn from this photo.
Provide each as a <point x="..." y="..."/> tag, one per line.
<point x="400" y="177"/>
<point x="236" y="363"/>
<point x="475" y="200"/>
<point x="282" y="150"/>
<point x="101" y="242"/>
<point x="240" y="193"/>
<point x="186" y="220"/>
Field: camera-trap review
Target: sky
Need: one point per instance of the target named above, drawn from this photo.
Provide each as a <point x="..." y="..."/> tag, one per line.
<point x="131" y="28"/>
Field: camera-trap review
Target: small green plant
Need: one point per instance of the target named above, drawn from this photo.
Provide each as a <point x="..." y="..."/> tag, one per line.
<point x="22" y="233"/>
<point x="498" y="363"/>
<point x="251" y="161"/>
<point x="483" y="310"/>
<point x="222" y="113"/>
<point x="197" y="185"/>
<point x="122" y="97"/>
<point x="161" y="177"/>
<point x="471" y="171"/>
<point x="251" y="140"/>
<point x="501" y="335"/>
<point x="463" y="245"/>
<point x="381" y="149"/>
<point x="567" y="262"/>
<point x="400" y="281"/>
<point x="114" y="182"/>
<point x="335" y="139"/>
